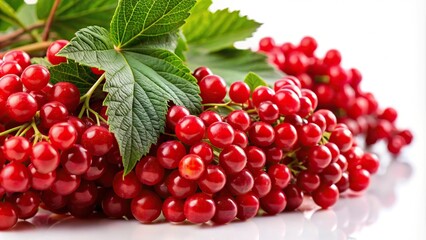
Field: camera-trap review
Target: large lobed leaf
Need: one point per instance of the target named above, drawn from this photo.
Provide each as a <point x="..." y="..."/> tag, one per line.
<point x="8" y="13"/>
<point x="140" y="82"/>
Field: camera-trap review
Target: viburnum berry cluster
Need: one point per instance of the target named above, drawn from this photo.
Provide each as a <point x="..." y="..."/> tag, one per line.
<point x="250" y="151"/>
<point x="339" y="90"/>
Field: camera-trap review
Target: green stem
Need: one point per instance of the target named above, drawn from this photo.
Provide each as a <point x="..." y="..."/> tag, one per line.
<point x="85" y="99"/>
<point x="216" y="104"/>
<point x="4" y="133"/>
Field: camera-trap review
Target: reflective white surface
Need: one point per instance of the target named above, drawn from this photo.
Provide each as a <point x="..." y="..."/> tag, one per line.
<point x="386" y="41"/>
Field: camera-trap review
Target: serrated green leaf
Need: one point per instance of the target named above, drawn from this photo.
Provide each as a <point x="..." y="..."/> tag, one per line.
<point x="233" y="64"/>
<point x="181" y="47"/>
<point x="71" y="15"/>
<point x="254" y="81"/>
<point x="208" y="32"/>
<point x="140" y="83"/>
<point x="72" y="72"/>
<point x="135" y="20"/>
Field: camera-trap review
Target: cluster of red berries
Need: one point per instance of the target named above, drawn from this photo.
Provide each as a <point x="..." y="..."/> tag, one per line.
<point x="338" y="90"/>
<point x="265" y="150"/>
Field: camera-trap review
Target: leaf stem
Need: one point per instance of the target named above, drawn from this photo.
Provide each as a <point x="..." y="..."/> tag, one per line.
<point x="49" y="21"/>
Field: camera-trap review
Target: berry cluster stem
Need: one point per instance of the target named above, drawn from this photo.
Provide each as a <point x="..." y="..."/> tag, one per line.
<point x="85" y="99"/>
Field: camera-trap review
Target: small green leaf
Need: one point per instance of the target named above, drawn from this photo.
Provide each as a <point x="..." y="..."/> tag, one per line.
<point x="71" y="15"/>
<point x="140" y="83"/>
<point x="41" y="61"/>
<point x="72" y="72"/>
<point x="135" y="20"/>
<point x="254" y="81"/>
<point x="208" y="32"/>
<point x="233" y="64"/>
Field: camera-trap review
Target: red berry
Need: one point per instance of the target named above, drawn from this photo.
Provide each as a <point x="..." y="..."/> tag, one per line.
<point x="8" y="216"/>
<point x="97" y="140"/>
<point x="326" y="196"/>
<point x="262" y="94"/>
<point x="201" y="72"/>
<point x="35" y="77"/>
<point x="170" y="153"/>
<point x="239" y="120"/>
<point x="226" y="210"/>
<point x="113" y="206"/>
<point x="146" y="207"/>
<point x="268" y="112"/>
<point x="210" y="117"/>
<point x="199" y="208"/>
<point x="40" y="181"/>
<point x="213" y="180"/>
<point x="220" y="134"/>
<point x="274" y="202"/>
<point x="370" y="162"/>
<point x="10" y="67"/>
<point x="180" y="187"/>
<point x="266" y="44"/>
<point x="240" y="183"/>
<point x="149" y="171"/>
<point x="76" y="160"/>
<point x="174" y="114"/>
<point x="21" y="106"/>
<point x="239" y="92"/>
<point x="190" y="130"/>
<point x="10" y="84"/>
<point x="16" y="149"/>
<point x="332" y="57"/>
<point x="126" y="186"/>
<point x="44" y="157"/>
<point x="65" y="93"/>
<point x="256" y="158"/>
<point x="280" y="175"/>
<point x="15" y="177"/>
<point x="294" y="197"/>
<point x="309" y="134"/>
<point x="262" y="184"/>
<point x="261" y="134"/>
<point x="51" y="113"/>
<point x="204" y="151"/>
<point x="21" y="57"/>
<point x="247" y="205"/>
<point x="65" y="183"/>
<point x="232" y="159"/>
<point x="212" y="89"/>
<point x="285" y="136"/>
<point x="62" y="135"/>
<point x="287" y="101"/>
<point x="53" y="49"/>
<point x="359" y="179"/>
<point x="191" y="167"/>
<point x="173" y="209"/>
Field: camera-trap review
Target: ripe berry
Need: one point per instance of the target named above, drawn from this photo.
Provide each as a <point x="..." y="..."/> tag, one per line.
<point x="146" y="207"/>
<point x="190" y="130"/>
<point x="41" y="181"/>
<point x="294" y="197"/>
<point x="261" y="134"/>
<point x="359" y="179"/>
<point x="332" y="57"/>
<point x="287" y="101"/>
<point x="308" y="181"/>
<point x="268" y="112"/>
<point x="370" y="162"/>
<point x="9" y="84"/>
<point x="65" y="183"/>
<point x="199" y="208"/>
<point x="256" y="158"/>
<point x="15" y="177"/>
<point x="113" y="206"/>
<point x="326" y="196"/>
<point x="35" y="77"/>
<point x="220" y="134"/>
<point x="286" y="136"/>
<point x="62" y="135"/>
<point x="16" y="149"/>
<point x="240" y="183"/>
<point x="262" y="184"/>
<point x="319" y="158"/>
<point x="53" y="49"/>
<point x="280" y="175"/>
<point x="239" y="92"/>
<point x="10" y="67"/>
<point x="262" y="94"/>
<point x="126" y="186"/>
<point x="213" y="180"/>
<point x="308" y="45"/>
<point x="232" y="159"/>
<point x="51" y="113"/>
<point x="174" y="114"/>
<point x="247" y="205"/>
<point x="8" y="216"/>
<point x="239" y="120"/>
<point x="170" y="153"/>
<point x="201" y="72"/>
<point x="212" y="89"/>
<point x="226" y="210"/>
<point x="21" y="106"/>
<point x="173" y="209"/>
<point x="309" y="134"/>
<point x="204" y="151"/>
<point x="266" y="44"/>
<point x="274" y="202"/>
<point x="76" y="160"/>
<point x="44" y="157"/>
<point x="97" y="169"/>
<point x="21" y="57"/>
<point x="180" y="187"/>
<point x="342" y="137"/>
<point x="65" y="93"/>
<point x="191" y="167"/>
<point x="210" y="117"/>
<point x="149" y="171"/>
<point x="97" y="140"/>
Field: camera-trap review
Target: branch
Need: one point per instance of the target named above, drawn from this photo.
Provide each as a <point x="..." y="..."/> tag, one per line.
<point x="34" y="47"/>
<point x="13" y="35"/>
<point x="49" y="21"/>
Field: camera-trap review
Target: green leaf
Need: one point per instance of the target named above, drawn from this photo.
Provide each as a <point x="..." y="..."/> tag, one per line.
<point x="72" y="72"/>
<point x="41" y="61"/>
<point x="71" y="15"/>
<point x="233" y="64"/>
<point x="181" y="46"/>
<point x="254" y="81"/>
<point x="135" y="20"/>
<point x="8" y="14"/>
<point x="140" y="83"/>
<point x="208" y="32"/>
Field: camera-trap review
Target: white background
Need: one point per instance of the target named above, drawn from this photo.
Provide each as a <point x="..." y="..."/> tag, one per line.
<point x="385" y="39"/>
